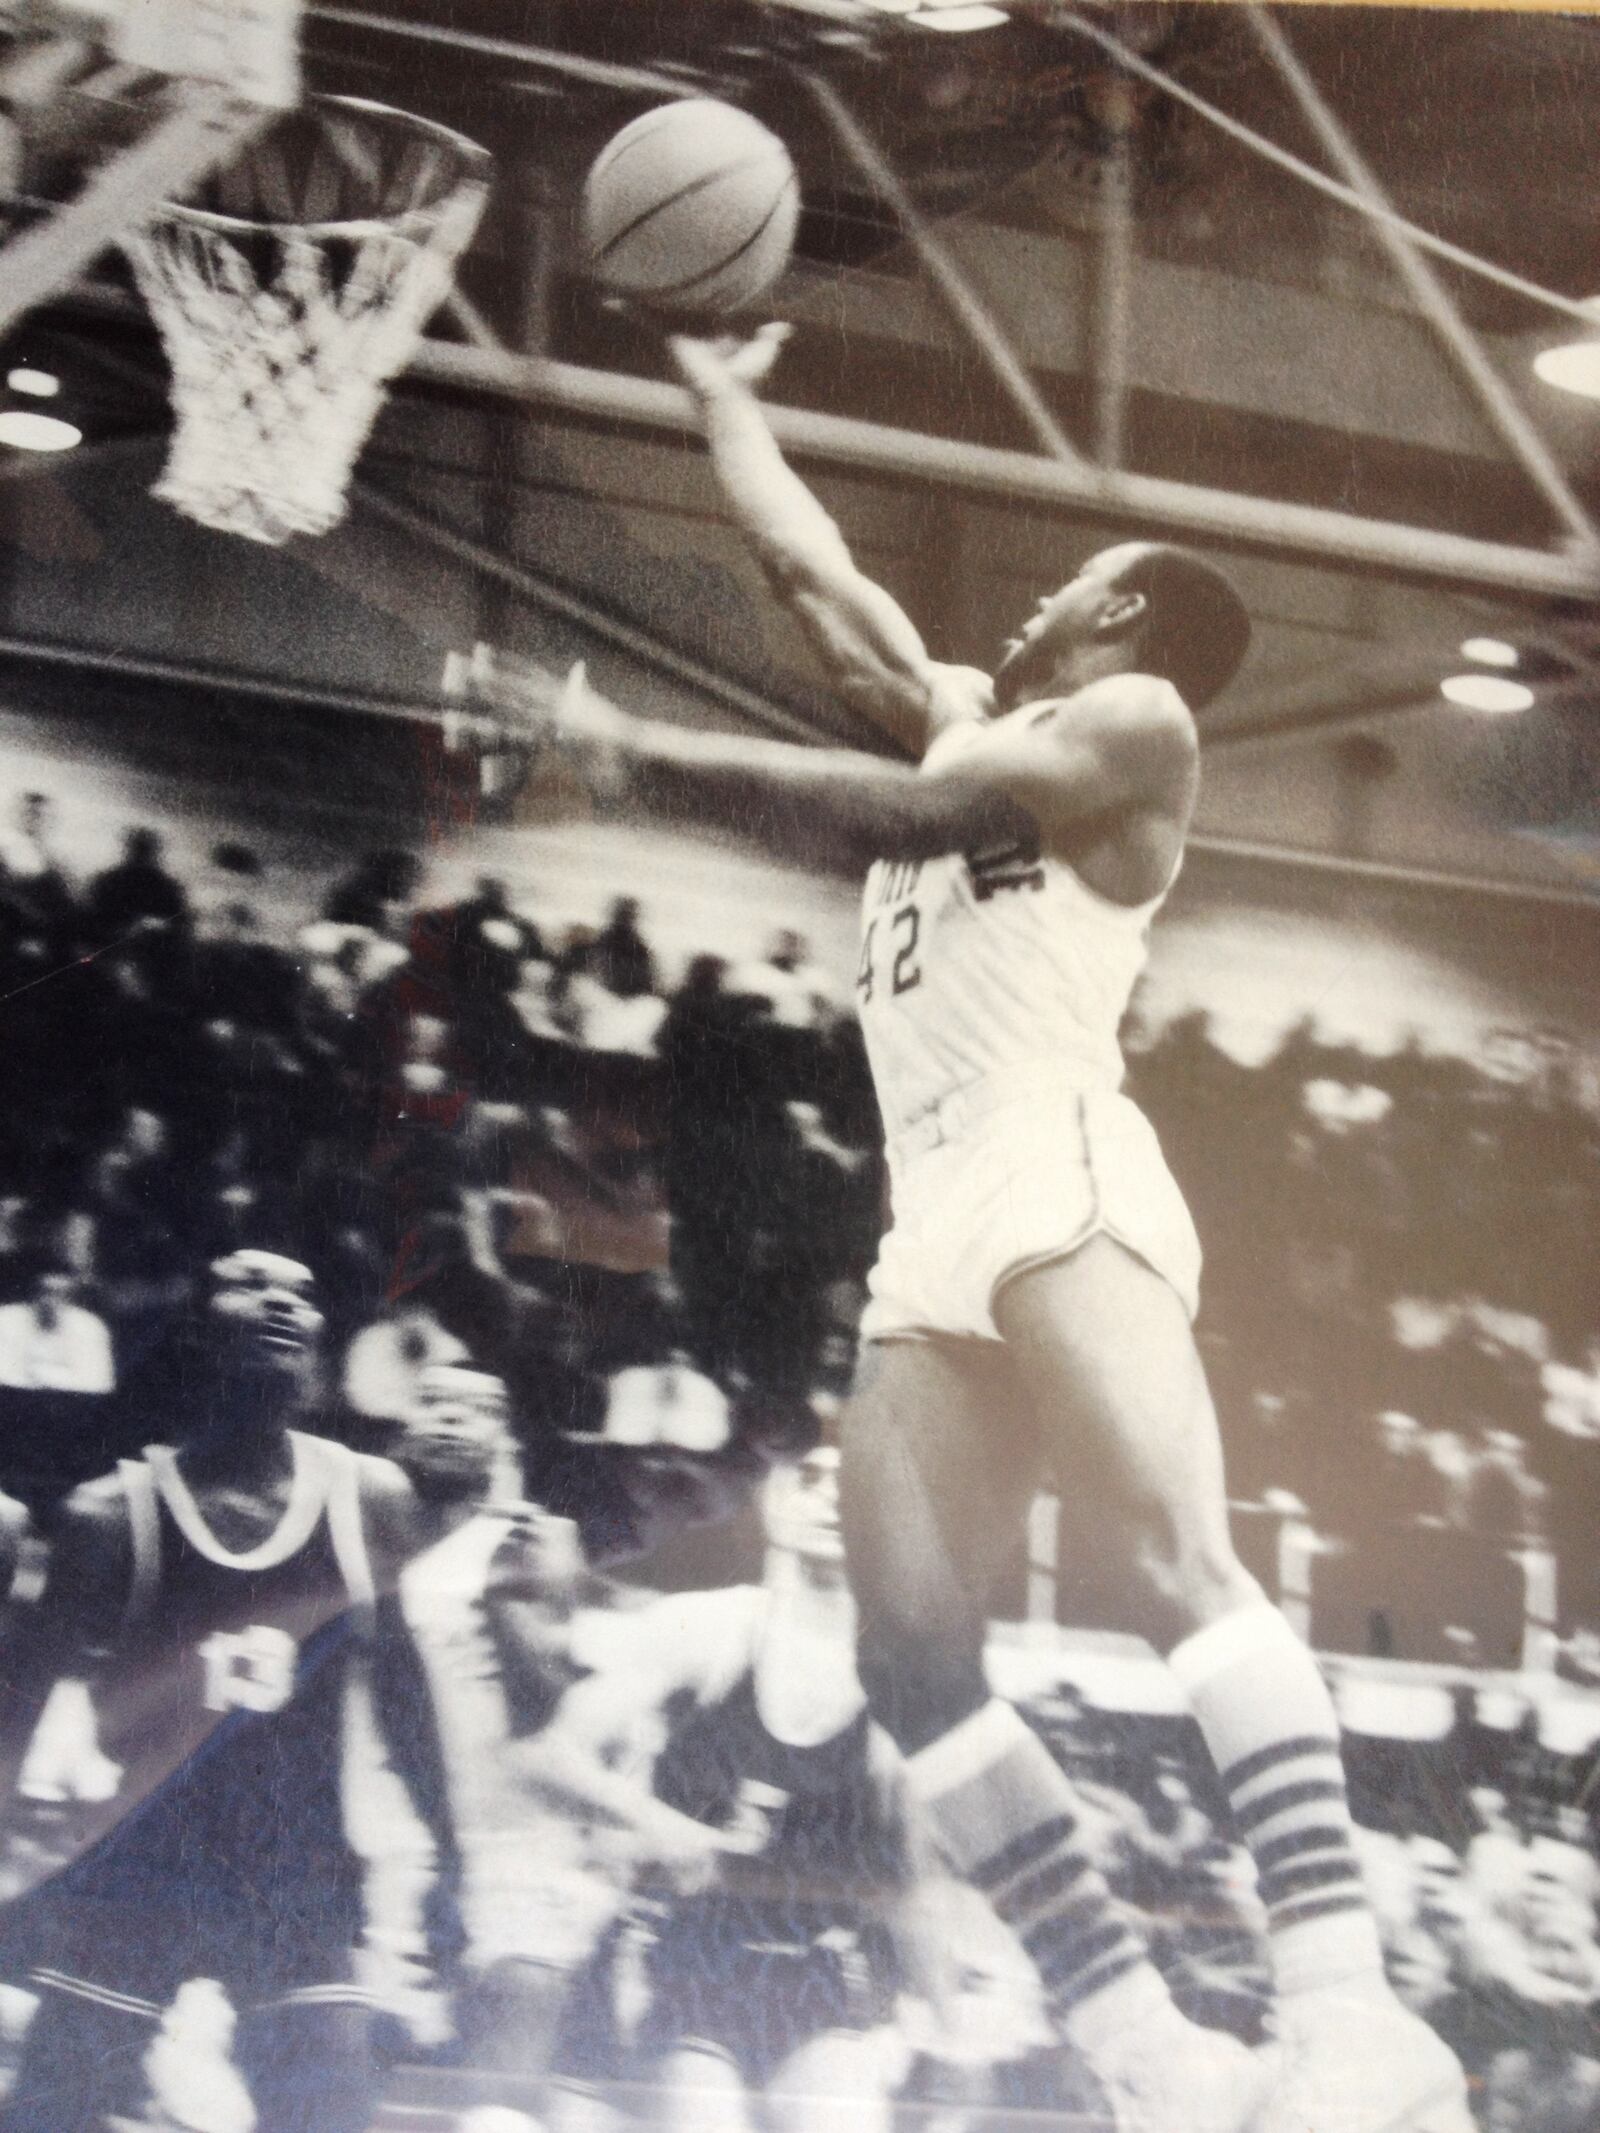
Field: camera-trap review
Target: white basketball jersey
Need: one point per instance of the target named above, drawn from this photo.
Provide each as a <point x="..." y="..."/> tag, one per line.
<point x="991" y="966"/>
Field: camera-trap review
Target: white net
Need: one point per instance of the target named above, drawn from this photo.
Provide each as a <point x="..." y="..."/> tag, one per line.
<point x="282" y="334"/>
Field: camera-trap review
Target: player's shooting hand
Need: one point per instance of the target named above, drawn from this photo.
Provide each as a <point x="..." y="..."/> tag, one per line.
<point x="710" y="366"/>
<point x="513" y="698"/>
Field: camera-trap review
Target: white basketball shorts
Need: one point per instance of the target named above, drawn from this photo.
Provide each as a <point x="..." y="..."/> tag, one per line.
<point x="995" y="1182"/>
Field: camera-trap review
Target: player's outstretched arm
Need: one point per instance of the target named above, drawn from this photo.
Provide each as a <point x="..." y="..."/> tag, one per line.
<point x="1040" y="772"/>
<point x="869" y="648"/>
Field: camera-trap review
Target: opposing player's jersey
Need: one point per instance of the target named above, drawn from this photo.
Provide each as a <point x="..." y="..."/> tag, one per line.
<point x="231" y="1696"/>
<point x="821" y="1822"/>
<point x="994" y="965"/>
<point x="229" y="1671"/>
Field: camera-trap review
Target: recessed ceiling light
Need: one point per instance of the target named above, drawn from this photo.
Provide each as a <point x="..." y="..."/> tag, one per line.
<point x="957" y="18"/>
<point x="1486" y="692"/>
<point x="1575" y="365"/>
<point x="37" y="433"/>
<point x="1490" y="651"/>
<point x="37" y="384"/>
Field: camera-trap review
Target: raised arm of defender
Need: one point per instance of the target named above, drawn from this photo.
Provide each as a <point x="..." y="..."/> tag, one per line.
<point x="870" y="649"/>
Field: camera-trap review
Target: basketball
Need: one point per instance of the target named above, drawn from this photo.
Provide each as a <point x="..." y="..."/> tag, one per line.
<point x="692" y="206"/>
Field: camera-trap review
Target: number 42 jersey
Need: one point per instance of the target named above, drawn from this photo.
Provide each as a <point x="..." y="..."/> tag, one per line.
<point x="991" y="967"/>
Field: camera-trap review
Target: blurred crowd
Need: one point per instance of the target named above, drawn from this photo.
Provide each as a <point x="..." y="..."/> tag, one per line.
<point x="650" y="1201"/>
<point x="471" y="1124"/>
<point x="1400" y="1322"/>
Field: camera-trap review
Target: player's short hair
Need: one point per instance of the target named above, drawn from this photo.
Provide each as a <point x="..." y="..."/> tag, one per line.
<point x="1195" y="629"/>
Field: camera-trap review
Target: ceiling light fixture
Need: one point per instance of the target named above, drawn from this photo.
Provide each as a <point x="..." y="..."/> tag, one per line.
<point x="957" y="18"/>
<point x="1575" y="365"/>
<point x="1486" y="692"/>
<point x="29" y="432"/>
<point x="1490" y="651"/>
<point x="36" y="384"/>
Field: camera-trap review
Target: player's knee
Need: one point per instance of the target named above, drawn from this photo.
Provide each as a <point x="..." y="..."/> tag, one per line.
<point x="1183" y="1580"/>
<point x="918" y="1687"/>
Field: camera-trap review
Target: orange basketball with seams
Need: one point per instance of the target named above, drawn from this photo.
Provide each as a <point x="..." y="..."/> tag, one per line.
<point x="692" y="207"/>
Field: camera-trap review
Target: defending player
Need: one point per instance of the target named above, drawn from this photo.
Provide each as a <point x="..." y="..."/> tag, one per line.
<point x="216" y="1598"/>
<point x="490" y="1611"/>
<point x="1031" y="1307"/>
<point x="777" y="1814"/>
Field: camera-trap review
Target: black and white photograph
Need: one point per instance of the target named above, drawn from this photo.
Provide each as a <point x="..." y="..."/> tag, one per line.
<point x="799" y="1067"/>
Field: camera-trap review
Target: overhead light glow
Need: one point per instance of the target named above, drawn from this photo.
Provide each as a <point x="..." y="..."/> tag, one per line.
<point x="1486" y="692"/>
<point x="957" y="18"/>
<point x="1490" y="651"/>
<point x="37" y="384"/>
<point x="37" y="433"/>
<point x="1575" y="367"/>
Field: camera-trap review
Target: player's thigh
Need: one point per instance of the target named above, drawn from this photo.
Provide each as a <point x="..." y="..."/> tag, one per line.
<point x="510" y="2014"/>
<point x="939" y="1459"/>
<point x="834" y="2083"/>
<point x="1106" y="1350"/>
<point x="700" y="2090"/>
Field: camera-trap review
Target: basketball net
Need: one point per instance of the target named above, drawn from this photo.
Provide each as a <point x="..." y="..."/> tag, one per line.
<point x="283" y="329"/>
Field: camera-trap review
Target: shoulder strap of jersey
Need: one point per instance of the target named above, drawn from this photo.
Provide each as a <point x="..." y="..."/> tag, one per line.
<point x="288" y="1537"/>
<point x="346" y="1526"/>
<point x="144" y="1536"/>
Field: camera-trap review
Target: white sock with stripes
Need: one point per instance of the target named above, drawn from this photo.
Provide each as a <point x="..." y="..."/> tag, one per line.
<point x="1269" y="1723"/>
<point x="1006" y="1815"/>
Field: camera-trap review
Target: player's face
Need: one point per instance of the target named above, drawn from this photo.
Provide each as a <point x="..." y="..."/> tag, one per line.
<point x="265" y="1307"/>
<point x="803" y="1507"/>
<point x="459" y="1425"/>
<point x="1060" y="621"/>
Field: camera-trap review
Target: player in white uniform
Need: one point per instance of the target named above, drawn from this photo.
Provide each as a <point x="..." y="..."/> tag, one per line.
<point x="1031" y="1307"/>
<point x="490" y="1610"/>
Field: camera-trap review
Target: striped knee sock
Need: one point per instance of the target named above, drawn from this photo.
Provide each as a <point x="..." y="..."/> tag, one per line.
<point x="1005" y="1814"/>
<point x="1269" y="1723"/>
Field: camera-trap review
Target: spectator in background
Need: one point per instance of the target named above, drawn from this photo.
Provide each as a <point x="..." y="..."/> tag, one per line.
<point x="1497" y="1856"/>
<point x="32" y="878"/>
<point x="242" y="979"/>
<point x="138" y="888"/>
<point x="25" y="853"/>
<point x="798" y="991"/>
<point x="665" y="1405"/>
<point x="619" y="956"/>
<point x="1543" y="2087"/>
<point x="50" y="1343"/>
<point x="56" y="1377"/>
<point x="345" y="964"/>
<point x="376" y="893"/>
<point x="604" y="1020"/>
<point x="1497" y="1500"/>
<point x="490" y="902"/>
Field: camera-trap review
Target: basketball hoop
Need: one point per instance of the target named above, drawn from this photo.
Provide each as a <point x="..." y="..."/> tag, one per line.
<point x="290" y="297"/>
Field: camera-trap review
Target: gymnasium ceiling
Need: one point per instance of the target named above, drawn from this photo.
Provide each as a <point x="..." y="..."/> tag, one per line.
<point x="1272" y="352"/>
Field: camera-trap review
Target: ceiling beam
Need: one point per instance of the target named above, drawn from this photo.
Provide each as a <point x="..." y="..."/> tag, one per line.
<point x="949" y="279"/>
<point x="1331" y="537"/>
<point x="1516" y="429"/>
